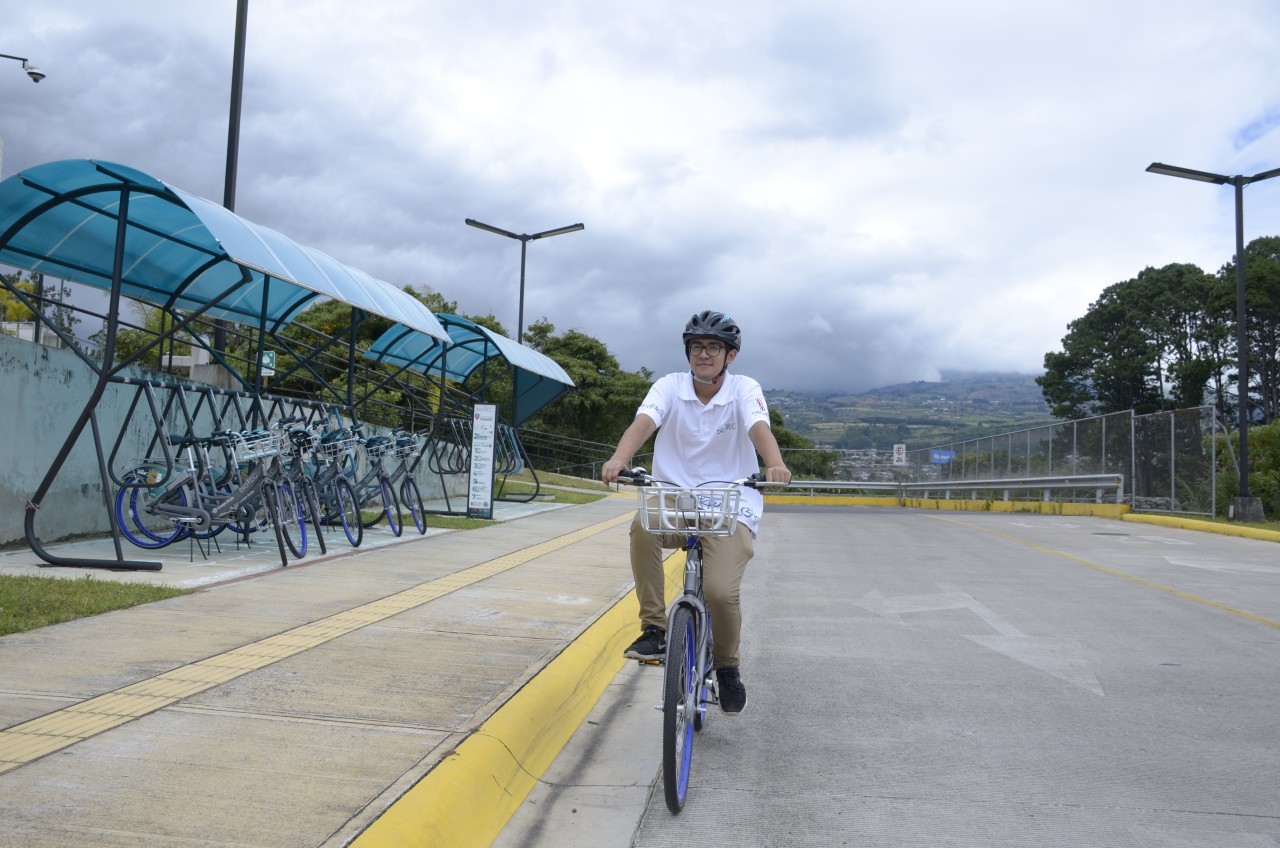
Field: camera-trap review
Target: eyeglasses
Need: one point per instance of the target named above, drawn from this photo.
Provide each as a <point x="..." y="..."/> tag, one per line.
<point x="713" y="350"/>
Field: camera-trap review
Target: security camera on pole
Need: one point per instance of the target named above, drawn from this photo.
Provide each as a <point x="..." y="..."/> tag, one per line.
<point x="32" y="71"/>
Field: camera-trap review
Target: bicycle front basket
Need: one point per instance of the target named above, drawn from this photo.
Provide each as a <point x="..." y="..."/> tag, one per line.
<point x="256" y="444"/>
<point x="407" y="446"/>
<point x="701" y="511"/>
<point x="379" y="445"/>
<point x="336" y="443"/>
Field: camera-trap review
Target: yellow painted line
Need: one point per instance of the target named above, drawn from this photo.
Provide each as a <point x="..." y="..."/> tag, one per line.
<point x="1141" y="581"/>
<point x="467" y="799"/>
<point x="30" y="740"/>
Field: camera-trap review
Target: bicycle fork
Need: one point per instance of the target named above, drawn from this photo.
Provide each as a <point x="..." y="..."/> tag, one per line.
<point x="695" y="706"/>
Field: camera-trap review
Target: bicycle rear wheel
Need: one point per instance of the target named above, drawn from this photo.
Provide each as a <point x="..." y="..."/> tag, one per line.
<point x="680" y="701"/>
<point x="144" y="529"/>
<point x="411" y="497"/>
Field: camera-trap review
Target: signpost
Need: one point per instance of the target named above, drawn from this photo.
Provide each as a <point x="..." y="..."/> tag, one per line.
<point x="484" y="429"/>
<point x="899" y="454"/>
<point x="941" y="457"/>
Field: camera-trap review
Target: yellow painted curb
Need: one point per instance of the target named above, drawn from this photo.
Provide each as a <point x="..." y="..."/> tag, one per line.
<point x="1040" y="507"/>
<point x="468" y="798"/>
<point x="1206" y="526"/>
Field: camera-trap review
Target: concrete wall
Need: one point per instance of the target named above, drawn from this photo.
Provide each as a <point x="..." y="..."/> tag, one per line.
<point x="42" y="392"/>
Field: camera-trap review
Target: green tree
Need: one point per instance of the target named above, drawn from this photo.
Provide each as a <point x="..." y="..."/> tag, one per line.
<point x="604" y="398"/>
<point x="1110" y="360"/>
<point x="1262" y="320"/>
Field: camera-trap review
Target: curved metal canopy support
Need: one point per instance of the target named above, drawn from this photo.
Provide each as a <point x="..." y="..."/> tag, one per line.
<point x="118" y="229"/>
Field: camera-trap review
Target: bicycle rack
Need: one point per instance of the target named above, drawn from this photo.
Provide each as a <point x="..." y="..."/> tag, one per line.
<point x="193" y="263"/>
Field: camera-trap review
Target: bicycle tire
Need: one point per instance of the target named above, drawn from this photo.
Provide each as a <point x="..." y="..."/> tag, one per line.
<point x="271" y="505"/>
<point x="293" y="528"/>
<point x="311" y="502"/>
<point x="349" y="512"/>
<point x="679" y="687"/>
<point x="371" y="491"/>
<point x="391" y="505"/>
<point x="411" y="496"/>
<point x="134" y="526"/>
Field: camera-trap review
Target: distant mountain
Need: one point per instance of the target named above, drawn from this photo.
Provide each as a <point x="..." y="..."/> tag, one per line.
<point x="920" y="414"/>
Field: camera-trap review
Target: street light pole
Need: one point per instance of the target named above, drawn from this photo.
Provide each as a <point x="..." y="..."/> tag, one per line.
<point x="233" y="139"/>
<point x="1250" y="509"/>
<point x="524" y="240"/>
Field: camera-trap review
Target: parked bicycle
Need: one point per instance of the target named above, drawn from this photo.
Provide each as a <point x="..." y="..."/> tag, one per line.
<point x="379" y="483"/>
<point x="156" y="506"/>
<point x="689" y="682"/>
<point x="335" y="458"/>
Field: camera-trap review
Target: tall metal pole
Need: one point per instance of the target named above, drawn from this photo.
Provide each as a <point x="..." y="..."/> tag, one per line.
<point x="1242" y="338"/>
<point x="524" y="248"/>
<point x="1239" y="181"/>
<point x="524" y="239"/>
<point x="233" y="137"/>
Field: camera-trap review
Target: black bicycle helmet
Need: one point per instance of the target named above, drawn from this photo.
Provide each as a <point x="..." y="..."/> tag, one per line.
<point x="714" y="325"/>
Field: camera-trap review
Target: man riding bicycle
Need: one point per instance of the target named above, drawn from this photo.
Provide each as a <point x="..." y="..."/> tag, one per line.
<point x="710" y="425"/>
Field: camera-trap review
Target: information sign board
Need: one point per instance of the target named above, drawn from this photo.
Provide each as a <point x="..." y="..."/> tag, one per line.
<point x="484" y="429"/>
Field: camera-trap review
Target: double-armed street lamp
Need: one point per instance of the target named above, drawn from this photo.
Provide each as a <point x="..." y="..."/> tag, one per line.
<point x="524" y="240"/>
<point x="32" y="71"/>
<point x="1239" y="181"/>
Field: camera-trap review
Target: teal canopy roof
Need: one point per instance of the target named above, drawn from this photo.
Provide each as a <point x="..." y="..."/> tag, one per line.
<point x="181" y="251"/>
<point x="539" y="379"/>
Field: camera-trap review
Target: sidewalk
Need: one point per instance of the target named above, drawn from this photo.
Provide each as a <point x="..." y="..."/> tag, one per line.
<point x="294" y="706"/>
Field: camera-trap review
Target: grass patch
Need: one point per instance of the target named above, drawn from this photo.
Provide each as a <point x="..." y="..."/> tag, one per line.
<point x="28" y="603"/>
<point x="458" y="522"/>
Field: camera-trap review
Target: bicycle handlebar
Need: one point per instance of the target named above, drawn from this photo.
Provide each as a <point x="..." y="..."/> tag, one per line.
<point x="638" y="476"/>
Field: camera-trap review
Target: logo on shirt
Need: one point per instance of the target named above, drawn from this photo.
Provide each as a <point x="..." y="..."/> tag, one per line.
<point x="732" y="425"/>
<point x="760" y="403"/>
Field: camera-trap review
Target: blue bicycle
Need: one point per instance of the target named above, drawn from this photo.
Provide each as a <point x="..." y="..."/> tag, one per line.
<point x="689" y="684"/>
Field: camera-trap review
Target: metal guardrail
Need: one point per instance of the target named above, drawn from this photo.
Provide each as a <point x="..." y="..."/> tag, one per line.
<point x="1099" y="483"/>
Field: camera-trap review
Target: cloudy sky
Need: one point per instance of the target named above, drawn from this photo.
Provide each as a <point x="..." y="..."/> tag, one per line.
<point x="877" y="191"/>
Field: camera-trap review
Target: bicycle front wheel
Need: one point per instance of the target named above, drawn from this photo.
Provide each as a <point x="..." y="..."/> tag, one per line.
<point x="680" y="703"/>
<point x="348" y="512"/>
<point x="311" y="503"/>
<point x="391" y="506"/>
<point x="292" y="526"/>
<point x="411" y="497"/>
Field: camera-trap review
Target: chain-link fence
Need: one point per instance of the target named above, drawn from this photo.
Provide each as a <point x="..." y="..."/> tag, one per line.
<point x="1166" y="458"/>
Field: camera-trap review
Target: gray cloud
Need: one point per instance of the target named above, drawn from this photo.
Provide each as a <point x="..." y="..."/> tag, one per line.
<point x="876" y="193"/>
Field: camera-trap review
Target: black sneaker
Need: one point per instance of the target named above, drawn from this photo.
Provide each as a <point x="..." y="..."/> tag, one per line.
<point x="733" y="695"/>
<point x="652" y="645"/>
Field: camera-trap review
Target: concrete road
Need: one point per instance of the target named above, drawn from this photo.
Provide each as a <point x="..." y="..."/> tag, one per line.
<point x="961" y="679"/>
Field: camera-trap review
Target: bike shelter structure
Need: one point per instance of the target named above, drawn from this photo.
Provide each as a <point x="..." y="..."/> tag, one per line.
<point x="131" y="235"/>
<point x="469" y="360"/>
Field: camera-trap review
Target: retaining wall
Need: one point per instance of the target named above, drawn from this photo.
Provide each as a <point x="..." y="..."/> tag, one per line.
<point x="42" y="392"/>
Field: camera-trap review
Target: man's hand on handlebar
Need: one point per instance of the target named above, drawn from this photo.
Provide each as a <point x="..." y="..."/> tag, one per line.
<point x="779" y="474"/>
<point x="610" y="470"/>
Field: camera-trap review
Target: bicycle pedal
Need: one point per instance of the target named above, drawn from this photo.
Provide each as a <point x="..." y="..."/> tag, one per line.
<point x="650" y="662"/>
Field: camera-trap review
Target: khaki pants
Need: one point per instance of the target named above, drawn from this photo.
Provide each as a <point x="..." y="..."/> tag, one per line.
<point x="724" y="561"/>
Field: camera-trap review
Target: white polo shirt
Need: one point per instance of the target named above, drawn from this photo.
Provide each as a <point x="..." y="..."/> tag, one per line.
<point x="698" y="443"/>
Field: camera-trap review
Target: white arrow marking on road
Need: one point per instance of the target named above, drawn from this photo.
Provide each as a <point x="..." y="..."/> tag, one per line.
<point x="1061" y="658"/>
<point x="1230" y="567"/>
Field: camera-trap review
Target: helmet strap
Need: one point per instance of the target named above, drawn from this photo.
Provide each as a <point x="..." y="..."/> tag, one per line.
<point x="714" y="381"/>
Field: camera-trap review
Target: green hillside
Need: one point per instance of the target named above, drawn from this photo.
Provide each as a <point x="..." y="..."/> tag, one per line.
<point x="919" y="415"/>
